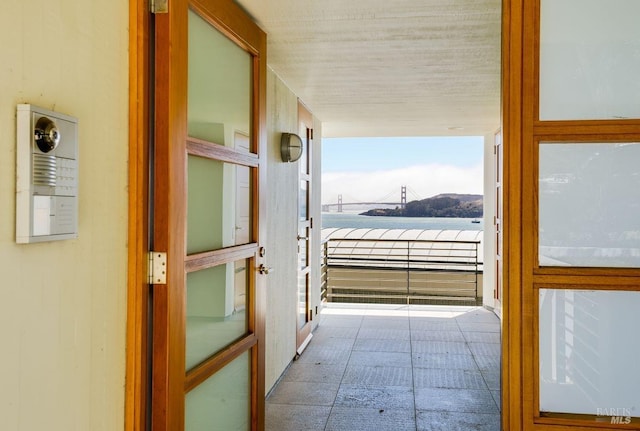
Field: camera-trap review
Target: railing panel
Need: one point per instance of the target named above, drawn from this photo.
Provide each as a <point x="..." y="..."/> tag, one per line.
<point x="401" y="271"/>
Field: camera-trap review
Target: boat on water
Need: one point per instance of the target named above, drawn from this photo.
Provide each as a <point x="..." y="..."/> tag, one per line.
<point x="475" y="220"/>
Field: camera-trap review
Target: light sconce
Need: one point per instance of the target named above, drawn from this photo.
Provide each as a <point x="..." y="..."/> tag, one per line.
<point x="290" y="147"/>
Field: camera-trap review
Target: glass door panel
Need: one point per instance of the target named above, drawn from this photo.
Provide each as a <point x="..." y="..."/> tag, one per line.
<point x="303" y="199"/>
<point x="589" y="59"/>
<point x="589" y="201"/>
<point x="221" y="403"/>
<point x="303" y="299"/>
<point x="216" y="309"/>
<point x="588" y="352"/>
<point x="219" y="204"/>
<point x="219" y="102"/>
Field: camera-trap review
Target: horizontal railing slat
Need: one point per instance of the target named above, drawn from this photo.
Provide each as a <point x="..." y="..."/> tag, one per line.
<point x="380" y="269"/>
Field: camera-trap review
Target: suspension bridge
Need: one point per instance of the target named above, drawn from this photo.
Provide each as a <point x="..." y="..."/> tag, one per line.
<point x="340" y="204"/>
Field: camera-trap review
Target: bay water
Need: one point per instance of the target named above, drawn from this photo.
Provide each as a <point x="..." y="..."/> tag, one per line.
<point x="354" y="220"/>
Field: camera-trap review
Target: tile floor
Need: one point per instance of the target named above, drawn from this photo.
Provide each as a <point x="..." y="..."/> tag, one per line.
<point x="396" y="368"/>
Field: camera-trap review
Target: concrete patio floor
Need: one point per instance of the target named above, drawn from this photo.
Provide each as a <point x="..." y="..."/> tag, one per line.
<point x="396" y="368"/>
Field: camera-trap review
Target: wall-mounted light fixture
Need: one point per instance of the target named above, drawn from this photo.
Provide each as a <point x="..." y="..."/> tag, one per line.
<point x="290" y="147"/>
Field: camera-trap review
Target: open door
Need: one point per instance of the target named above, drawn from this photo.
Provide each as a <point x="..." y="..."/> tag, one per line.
<point x="498" y="173"/>
<point x="305" y="225"/>
<point x="207" y="353"/>
<point x="572" y="199"/>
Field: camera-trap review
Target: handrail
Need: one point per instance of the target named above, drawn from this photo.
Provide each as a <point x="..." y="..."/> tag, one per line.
<point x="434" y="270"/>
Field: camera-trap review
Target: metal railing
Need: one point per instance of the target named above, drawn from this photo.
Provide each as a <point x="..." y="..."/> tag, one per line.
<point x="401" y="271"/>
<point x="323" y="272"/>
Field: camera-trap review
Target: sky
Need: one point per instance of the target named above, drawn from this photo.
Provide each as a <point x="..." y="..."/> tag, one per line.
<point x="367" y="169"/>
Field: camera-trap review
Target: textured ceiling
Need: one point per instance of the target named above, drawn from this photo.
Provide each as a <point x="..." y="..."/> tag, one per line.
<point x="388" y="67"/>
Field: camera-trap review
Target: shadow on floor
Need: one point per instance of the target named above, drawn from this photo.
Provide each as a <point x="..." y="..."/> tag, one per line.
<point x="396" y="368"/>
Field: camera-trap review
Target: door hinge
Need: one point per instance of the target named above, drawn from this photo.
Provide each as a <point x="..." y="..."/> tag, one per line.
<point x="159" y="6"/>
<point x="157" y="269"/>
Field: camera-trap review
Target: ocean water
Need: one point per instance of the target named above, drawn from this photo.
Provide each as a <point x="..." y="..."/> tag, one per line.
<point x="352" y="220"/>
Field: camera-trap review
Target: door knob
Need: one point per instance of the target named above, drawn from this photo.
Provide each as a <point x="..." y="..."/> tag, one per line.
<point x="264" y="269"/>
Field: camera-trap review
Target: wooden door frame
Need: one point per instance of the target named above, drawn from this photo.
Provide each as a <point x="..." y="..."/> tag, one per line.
<point x="140" y="47"/>
<point x="138" y="229"/>
<point x="305" y="121"/>
<point x="522" y="130"/>
<point x="511" y="125"/>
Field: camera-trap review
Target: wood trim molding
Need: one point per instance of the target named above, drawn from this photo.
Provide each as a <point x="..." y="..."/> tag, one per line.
<point x="136" y="341"/>
<point x="199" y="147"/>
<point x="512" y="103"/>
<point x="199" y="261"/>
<point x="215" y="363"/>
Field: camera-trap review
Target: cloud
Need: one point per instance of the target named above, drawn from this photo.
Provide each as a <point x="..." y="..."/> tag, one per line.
<point x="421" y="180"/>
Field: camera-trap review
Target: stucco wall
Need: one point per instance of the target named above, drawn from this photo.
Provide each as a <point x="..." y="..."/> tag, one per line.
<point x="282" y="116"/>
<point x="62" y="304"/>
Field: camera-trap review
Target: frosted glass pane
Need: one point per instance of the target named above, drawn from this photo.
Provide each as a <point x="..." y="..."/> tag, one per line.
<point x="589" y="59"/>
<point x="303" y="200"/>
<point x="303" y="298"/>
<point x="221" y="403"/>
<point x="219" y="98"/>
<point x="589" y="205"/>
<point x="589" y="351"/>
<point x="219" y="204"/>
<point x="216" y="309"/>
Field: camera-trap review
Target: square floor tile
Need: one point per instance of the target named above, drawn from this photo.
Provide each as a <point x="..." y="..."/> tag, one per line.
<point x="482" y="337"/>
<point x="485" y="349"/>
<point x="440" y="347"/>
<point x="377" y="322"/>
<point x="456" y="421"/>
<point x="493" y="379"/>
<point x="316" y="394"/>
<point x="447" y="378"/>
<point x="436" y="360"/>
<point x="455" y="400"/>
<point x="285" y="417"/>
<point x="321" y="356"/>
<point x="363" y="419"/>
<point x="478" y="315"/>
<point x="324" y="332"/>
<point x="497" y="399"/>
<point x="419" y="324"/>
<point x="340" y="321"/>
<point x="331" y="343"/>
<point x="380" y="359"/>
<point x="385" y="334"/>
<point x="378" y="376"/>
<point x="375" y="345"/>
<point x="379" y="397"/>
<point x="488" y="362"/>
<point x="455" y="336"/>
<point x="479" y="327"/>
<point x="312" y="372"/>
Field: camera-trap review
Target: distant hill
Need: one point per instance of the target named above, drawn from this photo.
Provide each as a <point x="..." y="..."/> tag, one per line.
<point x="442" y="205"/>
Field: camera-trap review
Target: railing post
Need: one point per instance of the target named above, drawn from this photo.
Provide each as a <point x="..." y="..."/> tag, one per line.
<point x="328" y="290"/>
<point x="408" y="271"/>
<point x="476" y="272"/>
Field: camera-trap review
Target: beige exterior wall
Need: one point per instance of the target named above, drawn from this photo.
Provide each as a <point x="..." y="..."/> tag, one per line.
<point x="63" y="304"/>
<point x="282" y="209"/>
